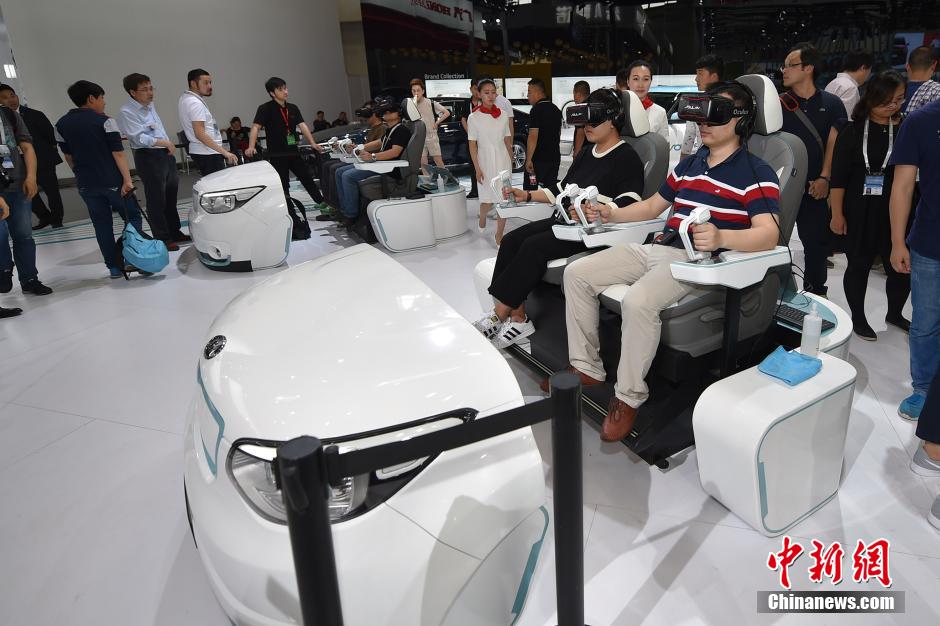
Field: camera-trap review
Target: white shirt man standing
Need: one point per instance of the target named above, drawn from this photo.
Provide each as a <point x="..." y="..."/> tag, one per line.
<point x="202" y="131"/>
<point x="855" y="72"/>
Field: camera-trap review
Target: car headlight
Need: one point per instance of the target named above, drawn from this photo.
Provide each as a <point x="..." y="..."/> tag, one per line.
<point x="225" y="201"/>
<point x="251" y="468"/>
<point x="250" y="465"/>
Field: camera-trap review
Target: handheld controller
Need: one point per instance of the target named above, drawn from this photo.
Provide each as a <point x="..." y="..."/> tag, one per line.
<point x="699" y="215"/>
<point x="571" y="191"/>
<point x="590" y="195"/>
<point x="501" y="184"/>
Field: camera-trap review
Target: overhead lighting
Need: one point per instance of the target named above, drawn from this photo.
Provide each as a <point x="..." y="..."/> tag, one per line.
<point x="10" y="70"/>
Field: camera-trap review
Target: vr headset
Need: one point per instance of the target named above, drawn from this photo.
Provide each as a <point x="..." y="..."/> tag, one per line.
<point x="590" y="113"/>
<point x="364" y="113"/>
<point x="702" y="108"/>
<point x="384" y="104"/>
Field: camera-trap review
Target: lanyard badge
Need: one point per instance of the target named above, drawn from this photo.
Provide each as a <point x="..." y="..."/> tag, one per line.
<point x="291" y="136"/>
<point x="874" y="183"/>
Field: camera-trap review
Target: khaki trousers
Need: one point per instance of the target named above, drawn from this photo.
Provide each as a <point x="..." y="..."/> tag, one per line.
<point x="646" y="268"/>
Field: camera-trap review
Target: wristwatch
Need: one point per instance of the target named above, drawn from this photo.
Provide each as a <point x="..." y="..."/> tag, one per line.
<point x="373" y="155"/>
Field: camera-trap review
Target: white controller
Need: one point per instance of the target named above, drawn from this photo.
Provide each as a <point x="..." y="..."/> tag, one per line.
<point x="570" y="192"/>
<point x="587" y="195"/>
<point x="699" y="215"/>
<point x="501" y="183"/>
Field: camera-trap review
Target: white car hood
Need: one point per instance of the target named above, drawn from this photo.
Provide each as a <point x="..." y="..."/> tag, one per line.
<point x="348" y="343"/>
<point x="247" y="175"/>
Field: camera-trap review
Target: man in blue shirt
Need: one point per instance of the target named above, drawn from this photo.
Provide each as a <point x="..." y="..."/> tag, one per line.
<point x="91" y="143"/>
<point x="154" y="157"/>
<point x="815" y="117"/>
<point x="918" y="147"/>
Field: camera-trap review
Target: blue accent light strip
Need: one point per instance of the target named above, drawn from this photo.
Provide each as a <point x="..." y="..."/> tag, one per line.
<point x="211" y="458"/>
<point x="526" y="581"/>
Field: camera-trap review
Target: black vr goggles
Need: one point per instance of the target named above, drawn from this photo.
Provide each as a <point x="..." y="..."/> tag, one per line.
<point x="364" y="113"/>
<point x="384" y="104"/>
<point x="702" y="108"/>
<point x="590" y="113"/>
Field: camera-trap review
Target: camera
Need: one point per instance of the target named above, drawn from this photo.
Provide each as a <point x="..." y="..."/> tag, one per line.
<point x="4" y="179"/>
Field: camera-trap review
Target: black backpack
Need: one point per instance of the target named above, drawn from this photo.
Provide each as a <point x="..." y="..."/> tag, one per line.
<point x="298" y="215"/>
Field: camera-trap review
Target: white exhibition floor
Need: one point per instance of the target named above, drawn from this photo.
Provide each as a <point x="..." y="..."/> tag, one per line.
<point x="94" y="385"/>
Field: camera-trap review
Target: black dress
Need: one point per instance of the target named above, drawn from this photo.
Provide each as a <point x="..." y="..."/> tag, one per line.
<point x="867" y="218"/>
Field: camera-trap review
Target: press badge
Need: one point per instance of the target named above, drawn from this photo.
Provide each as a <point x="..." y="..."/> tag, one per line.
<point x="874" y="186"/>
<point x="291" y="139"/>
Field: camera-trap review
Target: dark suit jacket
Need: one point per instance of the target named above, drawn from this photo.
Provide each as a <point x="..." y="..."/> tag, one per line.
<point x="44" y="143"/>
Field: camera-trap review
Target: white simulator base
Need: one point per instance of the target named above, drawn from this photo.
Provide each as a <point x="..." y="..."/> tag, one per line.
<point x="622" y="233"/>
<point x="379" y="167"/>
<point x="732" y="269"/>
<point x="772" y="453"/>
<point x="253" y="236"/>
<point x="482" y="277"/>
<point x="528" y="211"/>
<point x="402" y="224"/>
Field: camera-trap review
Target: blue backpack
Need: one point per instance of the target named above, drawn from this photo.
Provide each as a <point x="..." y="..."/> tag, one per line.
<point x="147" y="255"/>
<point x="144" y="253"/>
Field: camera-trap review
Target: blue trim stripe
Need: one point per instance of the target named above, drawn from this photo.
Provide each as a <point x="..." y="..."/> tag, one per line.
<point x="211" y="458"/>
<point x="527" y="574"/>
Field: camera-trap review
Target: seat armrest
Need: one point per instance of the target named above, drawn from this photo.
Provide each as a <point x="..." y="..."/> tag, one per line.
<point x="567" y="232"/>
<point x="380" y="167"/>
<point x="622" y="233"/>
<point x="736" y="270"/>
<point x="529" y="211"/>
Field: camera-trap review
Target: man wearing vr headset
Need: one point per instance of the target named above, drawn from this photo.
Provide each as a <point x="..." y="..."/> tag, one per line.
<point x="389" y="148"/>
<point x="607" y="163"/>
<point x="743" y="194"/>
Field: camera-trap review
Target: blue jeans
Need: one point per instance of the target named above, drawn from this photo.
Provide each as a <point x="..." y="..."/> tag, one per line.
<point x="338" y="181"/>
<point x="925" y="321"/>
<point x="19" y="228"/>
<point x="100" y="201"/>
<point x="348" y="189"/>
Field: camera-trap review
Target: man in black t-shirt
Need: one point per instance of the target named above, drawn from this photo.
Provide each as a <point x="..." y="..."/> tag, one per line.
<point x="237" y="135"/>
<point x="543" y="155"/>
<point x="320" y="122"/>
<point x="389" y="148"/>
<point x="281" y="121"/>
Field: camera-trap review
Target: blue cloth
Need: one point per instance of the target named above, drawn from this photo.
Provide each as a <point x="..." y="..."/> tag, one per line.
<point x="141" y="124"/>
<point x="918" y="143"/>
<point x="100" y="202"/>
<point x="19" y="228"/>
<point x="925" y="321"/>
<point x="790" y="367"/>
<point x="91" y="138"/>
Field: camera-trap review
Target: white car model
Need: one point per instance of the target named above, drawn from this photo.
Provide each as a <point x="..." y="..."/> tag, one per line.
<point x="353" y="349"/>
<point x="239" y="219"/>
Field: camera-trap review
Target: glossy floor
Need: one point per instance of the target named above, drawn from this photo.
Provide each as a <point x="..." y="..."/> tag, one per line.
<point x="94" y="384"/>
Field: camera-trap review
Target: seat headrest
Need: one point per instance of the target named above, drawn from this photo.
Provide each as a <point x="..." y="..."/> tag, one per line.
<point x="769" y="118"/>
<point x="636" y="122"/>
<point x="410" y="110"/>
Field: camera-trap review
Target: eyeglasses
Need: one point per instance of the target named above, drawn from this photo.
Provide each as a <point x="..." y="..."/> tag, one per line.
<point x="893" y="104"/>
<point x="785" y="67"/>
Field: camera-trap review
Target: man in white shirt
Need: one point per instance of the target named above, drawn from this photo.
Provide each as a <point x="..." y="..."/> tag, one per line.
<point x="154" y="158"/>
<point x="708" y="70"/>
<point x="202" y="131"/>
<point x="856" y="68"/>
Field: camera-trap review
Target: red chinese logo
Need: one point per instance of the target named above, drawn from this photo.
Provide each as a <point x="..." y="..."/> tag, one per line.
<point x="826" y="563"/>
<point x="871" y="561"/>
<point x="784" y="559"/>
<point x="868" y="561"/>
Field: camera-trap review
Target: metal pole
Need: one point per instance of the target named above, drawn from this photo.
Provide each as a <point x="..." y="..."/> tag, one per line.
<point x="305" y="488"/>
<point x="568" y="487"/>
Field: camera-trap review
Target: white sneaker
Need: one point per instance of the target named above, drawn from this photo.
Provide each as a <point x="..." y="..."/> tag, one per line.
<point x="488" y="325"/>
<point x="933" y="516"/>
<point x="923" y="465"/>
<point x="512" y="332"/>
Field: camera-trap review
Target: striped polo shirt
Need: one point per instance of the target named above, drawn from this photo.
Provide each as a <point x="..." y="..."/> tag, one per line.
<point x="735" y="190"/>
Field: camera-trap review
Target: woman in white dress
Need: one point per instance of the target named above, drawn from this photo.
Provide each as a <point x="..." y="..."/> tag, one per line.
<point x="490" y="149"/>
<point x="641" y="77"/>
<point x="432" y="114"/>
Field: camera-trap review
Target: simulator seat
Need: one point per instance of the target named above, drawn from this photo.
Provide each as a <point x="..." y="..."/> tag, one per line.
<point x="401" y="215"/>
<point x="700" y="341"/>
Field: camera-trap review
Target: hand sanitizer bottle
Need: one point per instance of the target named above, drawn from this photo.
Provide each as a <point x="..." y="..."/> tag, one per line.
<point x="812" y="328"/>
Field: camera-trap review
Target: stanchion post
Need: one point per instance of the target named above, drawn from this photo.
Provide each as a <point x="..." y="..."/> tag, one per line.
<point x="305" y="488"/>
<point x="568" y="488"/>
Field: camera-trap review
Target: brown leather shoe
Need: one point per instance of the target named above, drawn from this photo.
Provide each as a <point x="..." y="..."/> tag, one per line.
<point x="619" y="420"/>
<point x="586" y="381"/>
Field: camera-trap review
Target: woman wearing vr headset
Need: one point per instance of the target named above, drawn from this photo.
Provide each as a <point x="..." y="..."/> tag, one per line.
<point x="742" y="193"/>
<point x="608" y="164"/>
<point x="861" y="188"/>
<point x="490" y="139"/>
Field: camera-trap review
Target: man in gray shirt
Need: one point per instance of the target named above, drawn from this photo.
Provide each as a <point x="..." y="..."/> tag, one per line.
<point x="18" y="186"/>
